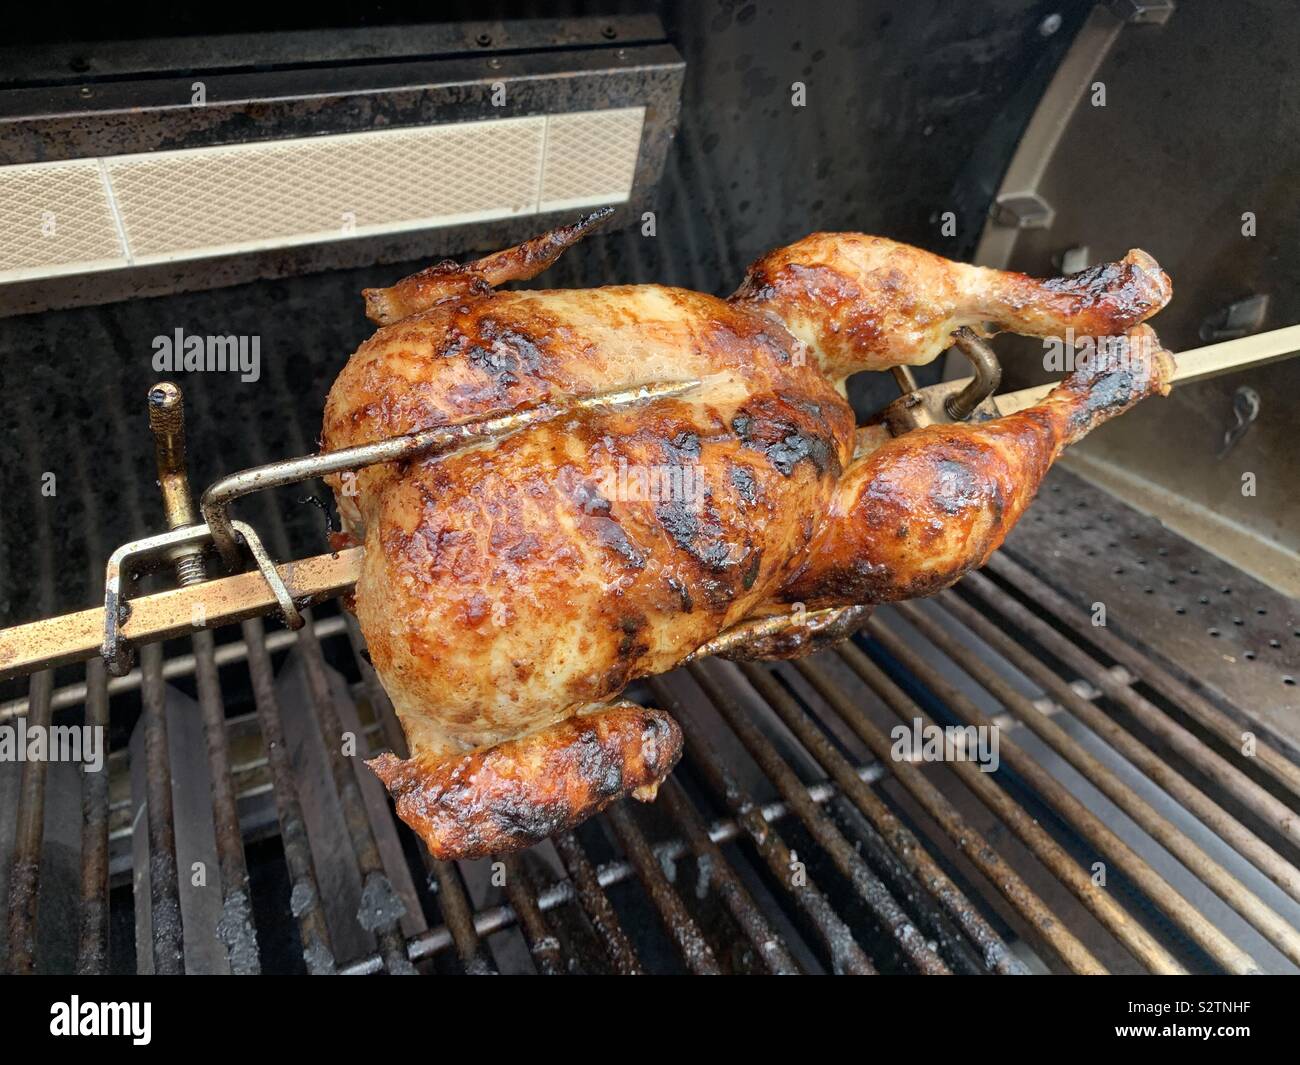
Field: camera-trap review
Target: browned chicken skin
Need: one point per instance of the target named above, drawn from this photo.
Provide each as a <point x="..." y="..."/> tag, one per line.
<point x="511" y="590"/>
<point x="497" y="799"/>
<point x="918" y="512"/>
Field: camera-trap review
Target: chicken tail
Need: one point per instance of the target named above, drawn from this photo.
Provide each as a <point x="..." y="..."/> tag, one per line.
<point x="449" y="279"/>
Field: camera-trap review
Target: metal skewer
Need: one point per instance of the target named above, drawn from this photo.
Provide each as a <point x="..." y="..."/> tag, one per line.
<point x="425" y="443"/>
<point x="112" y="629"/>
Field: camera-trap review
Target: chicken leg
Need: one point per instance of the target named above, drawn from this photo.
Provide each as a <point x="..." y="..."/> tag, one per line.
<point x="925" y="508"/>
<point x="867" y="303"/>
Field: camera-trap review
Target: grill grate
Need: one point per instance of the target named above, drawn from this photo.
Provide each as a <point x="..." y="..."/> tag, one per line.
<point x="1123" y="830"/>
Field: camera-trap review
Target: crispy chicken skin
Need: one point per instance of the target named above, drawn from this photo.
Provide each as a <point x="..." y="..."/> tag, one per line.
<point x="510" y="590"/>
<point x="506" y="587"/>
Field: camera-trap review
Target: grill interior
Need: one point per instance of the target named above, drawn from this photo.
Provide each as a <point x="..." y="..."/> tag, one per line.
<point x="1144" y="813"/>
<point x="1123" y="830"/>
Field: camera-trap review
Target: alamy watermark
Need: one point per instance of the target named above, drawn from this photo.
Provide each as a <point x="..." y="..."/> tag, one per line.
<point x="678" y="483"/>
<point x="1070" y="352"/>
<point x="209" y="354"/>
<point x="130" y="1019"/>
<point x="22" y="742"/>
<point x="919" y="742"/>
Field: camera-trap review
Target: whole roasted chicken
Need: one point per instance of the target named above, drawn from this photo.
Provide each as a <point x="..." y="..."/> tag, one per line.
<point x="511" y="591"/>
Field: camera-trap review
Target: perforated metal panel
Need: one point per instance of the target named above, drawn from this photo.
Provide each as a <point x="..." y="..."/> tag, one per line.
<point x="55" y="218"/>
<point x="195" y="203"/>
<point x="212" y="200"/>
<point x="590" y="157"/>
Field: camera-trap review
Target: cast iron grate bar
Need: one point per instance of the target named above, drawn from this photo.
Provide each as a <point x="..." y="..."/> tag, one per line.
<point x="1040" y="918"/>
<point x="1178" y="843"/>
<point x="164" y="889"/>
<point x="920" y="952"/>
<point x="92" y="950"/>
<point x="25" y="871"/>
<point x="906" y="851"/>
<point x="595" y="903"/>
<point x="1232" y="831"/>
<point x="837" y="938"/>
<point x="305" y="896"/>
<point x="770" y="947"/>
<point x="235" y="928"/>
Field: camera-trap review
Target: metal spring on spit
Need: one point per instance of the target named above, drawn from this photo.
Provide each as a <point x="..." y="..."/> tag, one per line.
<point x="190" y="570"/>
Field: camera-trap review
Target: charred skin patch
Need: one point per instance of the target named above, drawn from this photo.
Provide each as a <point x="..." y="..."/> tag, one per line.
<point x="503" y="355"/>
<point x="511" y="542"/>
<point x="1115" y="295"/>
<point x="795" y="448"/>
<point x="586" y="494"/>
<point x="685" y="447"/>
<point x="484" y="354"/>
<point x="611" y="535"/>
<point x="522" y="349"/>
<point x="478" y="608"/>
<point x="787" y="436"/>
<point x="957" y="486"/>
<point x="742" y="480"/>
<point x="1112" y="393"/>
<point x="697" y="531"/>
<point x="616" y="678"/>
<point x="683" y="593"/>
<point x="630" y="626"/>
<point x="497" y="364"/>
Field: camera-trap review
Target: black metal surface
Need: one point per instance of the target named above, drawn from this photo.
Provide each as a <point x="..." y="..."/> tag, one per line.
<point x="133" y="117"/>
<point x="1227" y="634"/>
<point x="265" y="46"/>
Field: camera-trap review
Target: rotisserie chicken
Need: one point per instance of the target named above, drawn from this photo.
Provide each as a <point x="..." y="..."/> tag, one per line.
<point x="511" y="591"/>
